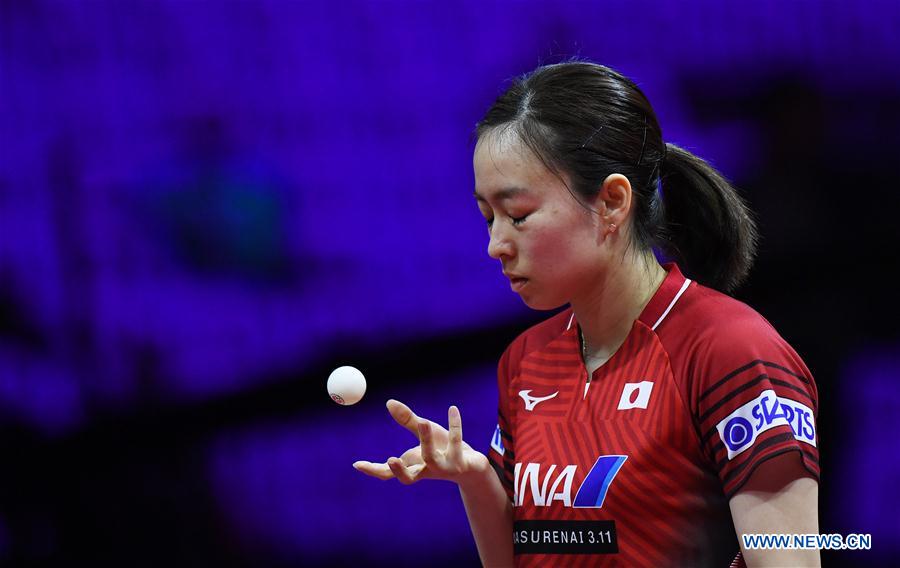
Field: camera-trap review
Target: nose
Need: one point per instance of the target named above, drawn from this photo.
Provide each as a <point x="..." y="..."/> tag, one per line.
<point x="499" y="245"/>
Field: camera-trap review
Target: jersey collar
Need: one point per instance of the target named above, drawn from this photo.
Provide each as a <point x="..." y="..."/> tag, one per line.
<point x="666" y="296"/>
<point x="659" y="306"/>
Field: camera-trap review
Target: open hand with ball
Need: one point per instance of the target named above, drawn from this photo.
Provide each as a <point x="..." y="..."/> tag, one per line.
<point x="440" y="454"/>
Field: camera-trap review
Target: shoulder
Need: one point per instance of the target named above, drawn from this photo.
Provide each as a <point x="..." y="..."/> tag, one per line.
<point x="721" y="349"/>
<point x="750" y="394"/>
<point x="704" y="310"/>
<point x="708" y="323"/>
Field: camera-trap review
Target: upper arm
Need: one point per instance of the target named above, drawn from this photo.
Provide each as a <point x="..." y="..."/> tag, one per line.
<point x="755" y="403"/>
<point x="780" y="497"/>
<point x="754" y="400"/>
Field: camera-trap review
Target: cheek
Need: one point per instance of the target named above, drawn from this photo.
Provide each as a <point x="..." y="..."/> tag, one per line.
<point x="563" y="250"/>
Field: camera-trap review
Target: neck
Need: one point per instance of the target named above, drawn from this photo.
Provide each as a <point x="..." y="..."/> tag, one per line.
<point x="606" y="312"/>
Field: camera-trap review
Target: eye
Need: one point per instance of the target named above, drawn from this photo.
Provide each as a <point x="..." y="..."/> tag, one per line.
<point x="518" y="220"/>
<point x="489" y="221"/>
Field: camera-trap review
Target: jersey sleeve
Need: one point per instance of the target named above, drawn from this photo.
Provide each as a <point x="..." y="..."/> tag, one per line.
<point x="501" y="454"/>
<point x="753" y="399"/>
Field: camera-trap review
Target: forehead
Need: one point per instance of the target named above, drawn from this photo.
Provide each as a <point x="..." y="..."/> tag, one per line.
<point x="505" y="168"/>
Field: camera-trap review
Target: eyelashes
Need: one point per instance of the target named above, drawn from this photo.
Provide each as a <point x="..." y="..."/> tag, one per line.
<point x="515" y="220"/>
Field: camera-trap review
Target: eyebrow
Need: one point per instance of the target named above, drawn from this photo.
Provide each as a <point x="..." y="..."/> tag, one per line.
<point x="503" y="194"/>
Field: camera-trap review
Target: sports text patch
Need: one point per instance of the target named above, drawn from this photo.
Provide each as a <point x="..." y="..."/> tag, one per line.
<point x="740" y="429"/>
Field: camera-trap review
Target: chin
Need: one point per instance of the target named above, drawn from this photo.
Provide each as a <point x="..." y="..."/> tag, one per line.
<point x="541" y="304"/>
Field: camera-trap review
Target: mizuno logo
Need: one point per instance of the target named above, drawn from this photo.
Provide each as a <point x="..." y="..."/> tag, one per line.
<point x="532" y="401"/>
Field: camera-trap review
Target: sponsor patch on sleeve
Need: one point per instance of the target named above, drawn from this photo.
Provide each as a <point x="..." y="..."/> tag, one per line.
<point x="497" y="441"/>
<point x="740" y="429"/>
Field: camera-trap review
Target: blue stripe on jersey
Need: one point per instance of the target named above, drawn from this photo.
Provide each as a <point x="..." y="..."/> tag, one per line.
<point x="497" y="441"/>
<point x="593" y="490"/>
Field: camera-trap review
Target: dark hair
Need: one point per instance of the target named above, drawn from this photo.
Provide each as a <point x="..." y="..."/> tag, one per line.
<point x="589" y="121"/>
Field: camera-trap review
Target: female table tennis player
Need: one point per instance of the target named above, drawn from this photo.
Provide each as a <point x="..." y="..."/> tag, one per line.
<point x="656" y="418"/>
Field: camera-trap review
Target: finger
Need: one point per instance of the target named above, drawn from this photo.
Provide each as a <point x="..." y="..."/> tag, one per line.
<point x="403" y="415"/>
<point x="379" y="470"/>
<point x="400" y="472"/>
<point x="426" y="441"/>
<point x="454" y="421"/>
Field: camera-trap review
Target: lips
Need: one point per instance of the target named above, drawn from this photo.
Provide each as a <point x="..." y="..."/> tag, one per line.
<point x="516" y="282"/>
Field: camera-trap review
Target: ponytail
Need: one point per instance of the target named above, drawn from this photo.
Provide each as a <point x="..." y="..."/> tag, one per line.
<point x="708" y="227"/>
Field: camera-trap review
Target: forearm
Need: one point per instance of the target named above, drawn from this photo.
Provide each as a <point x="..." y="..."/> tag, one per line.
<point x="792" y="510"/>
<point x="490" y="517"/>
<point x="779" y="498"/>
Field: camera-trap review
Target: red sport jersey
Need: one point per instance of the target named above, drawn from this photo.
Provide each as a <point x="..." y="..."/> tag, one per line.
<point x="636" y="466"/>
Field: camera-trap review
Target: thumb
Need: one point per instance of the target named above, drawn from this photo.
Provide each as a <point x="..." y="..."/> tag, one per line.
<point x="404" y="416"/>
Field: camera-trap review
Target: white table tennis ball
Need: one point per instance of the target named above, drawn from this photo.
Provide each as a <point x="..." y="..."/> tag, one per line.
<point x="346" y="385"/>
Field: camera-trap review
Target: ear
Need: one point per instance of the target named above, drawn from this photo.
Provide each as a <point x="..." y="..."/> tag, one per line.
<point x="613" y="203"/>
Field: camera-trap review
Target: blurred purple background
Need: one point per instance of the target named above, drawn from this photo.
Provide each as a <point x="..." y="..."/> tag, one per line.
<point x="206" y="206"/>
